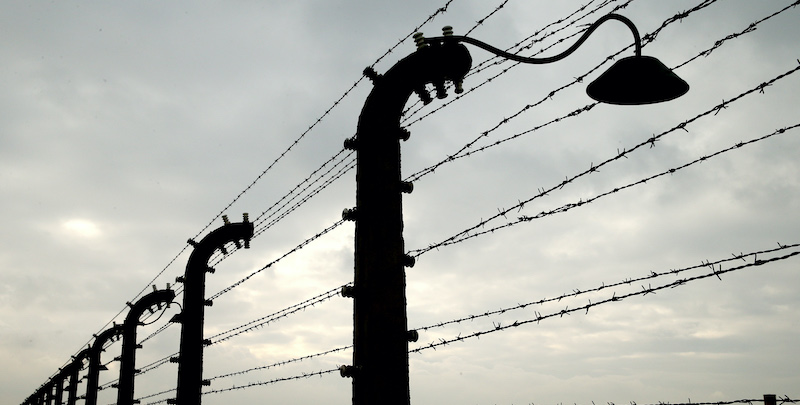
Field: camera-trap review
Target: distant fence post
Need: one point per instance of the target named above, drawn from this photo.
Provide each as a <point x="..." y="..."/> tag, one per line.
<point x="59" y="398"/>
<point x="190" y="359"/>
<point x="95" y="366"/>
<point x="770" y="399"/>
<point x="127" y="362"/>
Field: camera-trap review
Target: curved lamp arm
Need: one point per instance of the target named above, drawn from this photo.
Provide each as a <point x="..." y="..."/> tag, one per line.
<point x="556" y="58"/>
<point x="633" y="80"/>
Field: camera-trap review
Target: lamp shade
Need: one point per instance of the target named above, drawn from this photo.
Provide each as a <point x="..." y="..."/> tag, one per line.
<point x="637" y="80"/>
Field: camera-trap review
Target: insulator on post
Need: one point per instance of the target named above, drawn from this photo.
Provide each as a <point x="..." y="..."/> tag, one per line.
<point x="246" y="217"/>
<point x="419" y="39"/>
<point x="206" y="342"/>
<point x="403" y="134"/>
<point x="155" y="288"/>
<point x="441" y="92"/>
<point x="409" y="261"/>
<point x="191" y="242"/>
<point x="372" y="75"/>
<point x="349" y="214"/>
<point x="223" y="250"/>
<point x="351" y="143"/>
<point x="208" y="303"/>
<point x="225" y="220"/>
<point x="424" y="96"/>
<point x="447" y="31"/>
<point x="206" y="383"/>
<point x="406" y="187"/>
<point x="210" y="270"/>
<point x="174" y="359"/>
<point x="348" y="291"/>
<point x="247" y="243"/>
<point x="179" y="279"/>
<point x="172" y="401"/>
<point x="348" y="371"/>
<point x="459" y="85"/>
<point x="412" y="335"/>
<point x="237" y="244"/>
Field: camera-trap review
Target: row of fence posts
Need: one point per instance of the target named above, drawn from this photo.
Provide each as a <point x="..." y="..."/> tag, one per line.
<point x="190" y="358"/>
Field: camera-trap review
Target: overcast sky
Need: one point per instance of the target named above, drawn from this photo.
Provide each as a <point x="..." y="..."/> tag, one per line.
<point x="126" y="127"/>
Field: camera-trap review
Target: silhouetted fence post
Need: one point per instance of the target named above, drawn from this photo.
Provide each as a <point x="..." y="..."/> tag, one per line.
<point x="770" y="399"/>
<point x="59" y="396"/>
<point x="127" y="367"/>
<point x="380" y="336"/>
<point x="95" y="366"/>
<point x="190" y="360"/>
<point x="49" y="393"/>
<point x="72" y="371"/>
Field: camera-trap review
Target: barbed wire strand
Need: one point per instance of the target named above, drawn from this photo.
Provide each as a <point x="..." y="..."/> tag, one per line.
<point x="483" y="20"/>
<point x="260" y="322"/>
<point x="533" y="40"/>
<point x="282" y="363"/>
<point x="567" y="207"/>
<point x="502" y="213"/>
<point x="247" y="327"/>
<point x="628" y="281"/>
<point x="716" y="271"/>
<point x="219" y="256"/>
<point x="785" y="399"/>
<point x="496" y="60"/>
<point x="716" y="267"/>
<point x="497" y="327"/>
<point x="270" y="264"/>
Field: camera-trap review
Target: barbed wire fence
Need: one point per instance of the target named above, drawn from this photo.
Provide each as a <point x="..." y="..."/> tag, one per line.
<point x="343" y="161"/>
<point x="715" y="270"/>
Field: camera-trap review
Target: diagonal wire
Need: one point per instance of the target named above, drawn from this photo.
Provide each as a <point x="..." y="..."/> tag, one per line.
<point x="628" y="281"/>
<point x="614" y="298"/>
<point x="465" y="234"/>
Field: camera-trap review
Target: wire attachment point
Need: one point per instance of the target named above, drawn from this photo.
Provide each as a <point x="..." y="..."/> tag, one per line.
<point x="349" y="214"/>
<point x="348" y="371"/>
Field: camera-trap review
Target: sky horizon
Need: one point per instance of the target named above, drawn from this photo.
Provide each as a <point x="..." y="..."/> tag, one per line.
<point x="566" y="252"/>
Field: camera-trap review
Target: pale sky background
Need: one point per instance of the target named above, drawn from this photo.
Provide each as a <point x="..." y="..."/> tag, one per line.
<point x="125" y="127"/>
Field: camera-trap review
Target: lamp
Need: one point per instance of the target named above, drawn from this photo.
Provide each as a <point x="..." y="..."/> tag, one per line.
<point x="630" y="81"/>
<point x="637" y="80"/>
